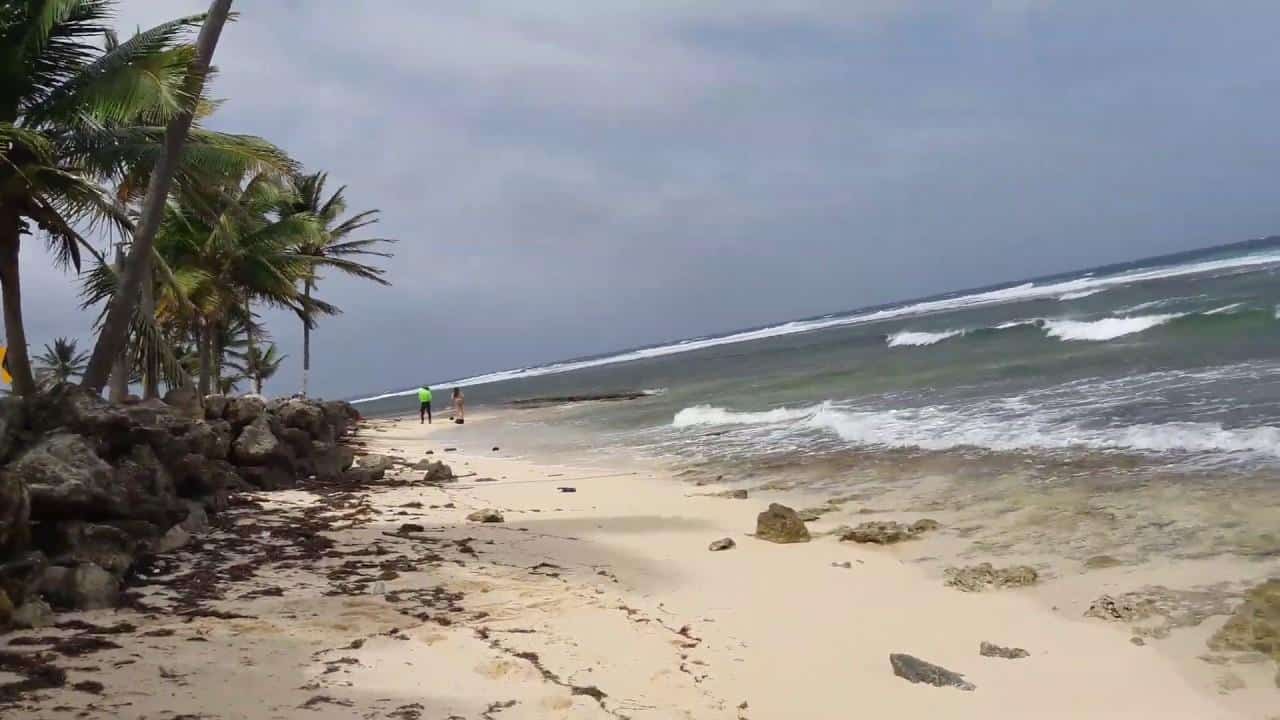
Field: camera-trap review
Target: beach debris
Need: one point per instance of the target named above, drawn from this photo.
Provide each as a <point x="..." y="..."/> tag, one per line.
<point x="987" y="649"/>
<point x="1125" y="609"/>
<point x="485" y="480"/>
<point x="977" y="578"/>
<point x="780" y="524"/>
<point x="916" y="670"/>
<point x="845" y="564"/>
<point x="722" y="544"/>
<point x="886" y="532"/>
<point x="1255" y="626"/>
<point x="567" y="489"/>
<point x="485" y="515"/>
<point x="438" y="472"/>
<point x="451" y="449"/>
<point x="496" y="448"/>
<point x="410" y="527"/>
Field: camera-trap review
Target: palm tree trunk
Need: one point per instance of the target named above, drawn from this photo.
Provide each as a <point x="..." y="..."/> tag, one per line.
<point x="306" y="337"/>
<point x="16" y="358"/>
<point x="115" y="329"/>
<point x="118" y="388"/>
<point x="219" y="353"/>
<point x="206" y="360"/>
<point x="150" y="361"/>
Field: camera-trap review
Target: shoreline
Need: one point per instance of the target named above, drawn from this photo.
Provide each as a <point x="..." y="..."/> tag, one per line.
<point x="603" y="602"/>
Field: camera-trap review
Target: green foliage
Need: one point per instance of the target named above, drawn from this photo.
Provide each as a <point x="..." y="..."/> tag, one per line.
<point x="60" y="363"/>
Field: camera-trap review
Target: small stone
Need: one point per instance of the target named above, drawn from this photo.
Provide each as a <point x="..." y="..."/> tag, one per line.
<point x="1101" y="562"/>
<point x="35" y="613"/>
<point x="567" y="489"/>
<point x="916" y="670"/>
<point x="1137" y="641"/>
<point x="495" y="448"/>
<point x="722" y="544"/>
<point x="410" y="528"/>
<point x="987" y="649"/>
<point x="486" y="515"/>
<point x="438" y="472"/>
<point x="846" y="564"/>
<point x="780" y="524"/>
<point x="739" y="494"/>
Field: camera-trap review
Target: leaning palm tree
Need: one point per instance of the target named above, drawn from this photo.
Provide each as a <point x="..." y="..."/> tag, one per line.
<point x="333" y="247"/>
<point x="60" y="363"/>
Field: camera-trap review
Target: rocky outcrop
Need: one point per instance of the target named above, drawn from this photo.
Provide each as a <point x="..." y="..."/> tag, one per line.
<point x="987" y="649"/>
<point x="916" y="670"/>
<point x="1255" y="626"/>
<point x="88" y="488"/>
<point x="781" y="524"/>
<point x="887" y="532"/>
<point x="1124" y="609"/>
<point x="977" y="578"/>
<point x="486" y="515"/>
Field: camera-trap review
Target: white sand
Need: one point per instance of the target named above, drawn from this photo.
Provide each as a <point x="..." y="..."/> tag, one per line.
<point x="633" y="604"/>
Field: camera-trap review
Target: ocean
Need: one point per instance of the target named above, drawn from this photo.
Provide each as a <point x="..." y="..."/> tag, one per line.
<point x="1137" y="405"/>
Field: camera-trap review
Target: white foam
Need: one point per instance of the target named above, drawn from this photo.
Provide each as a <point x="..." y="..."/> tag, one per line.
<point x="710" y="415"/>
<point x="1104" y="329"/>
<point x="1025" y="291"/>
<point x="908" y="338"/>
<point x="1225" y="309"/>
<point x="1079" y="294"/>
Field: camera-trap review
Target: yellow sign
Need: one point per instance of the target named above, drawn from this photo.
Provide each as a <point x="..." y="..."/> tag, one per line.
<point x="4" y="366"/>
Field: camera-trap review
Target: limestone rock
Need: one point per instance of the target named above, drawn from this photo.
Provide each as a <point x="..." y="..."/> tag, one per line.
<point x="175" y="538"/>
<point x="1101" y="562"/>
<point x="438" y="472"/>
<point x="781" y="524"/>
<point x="981" y="577"/>
<point x="83" y="587"/>
<point x="33" y="614"/>
<point x="66" y="478"/>
<point x="15" y="512"/>
<point x="73" y="542"/>
<point x="304" y="416"/>
<point x="987" y="649"/>
<point x="722" y="544"/>
<point x="918" y="671"/>
<point x="197" y="520"/>
<point x="257" y="445"/>
<point x="243" y="410"/>
<point x="486" y="515"/>
<point x="13" y="417"/>
<point x="186" y="401"/>
<point x="1122" y="609"/>
<point x="215" y="407"/>
<point x="924" y="525"/>
<point x="878" y="532"/>
<point x="330" y="461"/>
<point x="377" y="465"/>
<point x="1255" y="626"/>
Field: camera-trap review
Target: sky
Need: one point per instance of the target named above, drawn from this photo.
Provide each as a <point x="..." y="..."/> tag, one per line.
<point x="570" y="178"/>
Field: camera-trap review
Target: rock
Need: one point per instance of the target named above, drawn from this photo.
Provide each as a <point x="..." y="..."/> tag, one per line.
<point x="143" y="471"/>
<point x="197" y="476"/>
<point x="722" y="544"/>
<point x="357" y="476"/>
<point x="66" y="478"/>
<point x="813" y="513"/>
<point x="71" y="408"/>
<point x="1255" y="626"/>
<point x="73" y="542"/>
<point x="438" y="472"/>
<point x="35" y="613"/>
<point x="1122" y="609"/>
<point x="918" y="671"/>
<point x="83" y="587"/>
<point x="15" y="512"/>
<point x="186" y="401"/>
<point x="215" y="407"/>
<point x="845" y="565"/>
<point x="267" y="477"/>
<point x="739" y="494"/>
<point x="567" y="489"/>
<point x="257" y="445"/>
<point x="197" y="520"/>
<point x="330" y="461"/>
<point x="887" y="532"/>
<point x="981" y="577"/>
<point x="377" y="465"/>
<point x="20" y="575"/>
<point x="1101" y="562"/>
<point x="175" y="538"/>
<point x="244" y="410"/>
<point x="987" y="649"/>
<point x="496" y="448"/>
<point x="210" y="439"/>
<point x="924" y="525"/>
<point x="410" y="528"/>
<point x="6" y="610"/>
<point x="13" y="418"/>
<point x="486" y="515"/>
<point x="303" y="415"/>
<point x="780" y="524"/>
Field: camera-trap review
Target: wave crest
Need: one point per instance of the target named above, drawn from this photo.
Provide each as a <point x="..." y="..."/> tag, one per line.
<point x="1106" y="328"/>
<point x="916" y="339"/>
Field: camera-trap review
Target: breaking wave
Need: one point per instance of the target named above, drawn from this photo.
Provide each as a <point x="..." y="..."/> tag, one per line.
<point x="908" y="338"/>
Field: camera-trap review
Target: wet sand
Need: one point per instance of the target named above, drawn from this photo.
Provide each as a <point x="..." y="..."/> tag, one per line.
<point x="385" y="601"/>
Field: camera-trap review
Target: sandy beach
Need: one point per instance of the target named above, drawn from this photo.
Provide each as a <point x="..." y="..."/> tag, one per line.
<point x="385" y="601"/>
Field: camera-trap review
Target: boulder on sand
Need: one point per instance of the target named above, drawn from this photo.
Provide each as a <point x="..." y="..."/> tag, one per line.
<point x="377" y="465"/>
<point x="438" y="472"/>
<point x="918" y="671"/>
<point x="486" y="515"/>
<point x="83" y="587"/>
<point x="66" y="478"/>
<point x="980" y="577"/>
<point x="781" y="524"/>
<point x="722" y="544"/>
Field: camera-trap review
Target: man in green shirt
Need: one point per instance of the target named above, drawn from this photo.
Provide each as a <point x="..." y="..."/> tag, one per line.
<point x="424" y="404"/>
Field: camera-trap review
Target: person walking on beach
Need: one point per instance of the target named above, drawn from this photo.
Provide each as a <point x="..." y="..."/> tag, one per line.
<point x="457" y="406"/>
<point x="424" y="404"/>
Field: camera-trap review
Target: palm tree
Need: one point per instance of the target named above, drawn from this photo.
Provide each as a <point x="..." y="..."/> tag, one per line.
<point x="260" y="365"/>
<point x="61" y="100"/>
<point x="60" y="363"/>
<point x="332" y="247"/>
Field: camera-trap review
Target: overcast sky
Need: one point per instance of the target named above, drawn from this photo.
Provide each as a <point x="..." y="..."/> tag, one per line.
<point x="569" y="178"/>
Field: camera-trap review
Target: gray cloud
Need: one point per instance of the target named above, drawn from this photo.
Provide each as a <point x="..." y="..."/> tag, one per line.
<point x="571" y="178"/>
